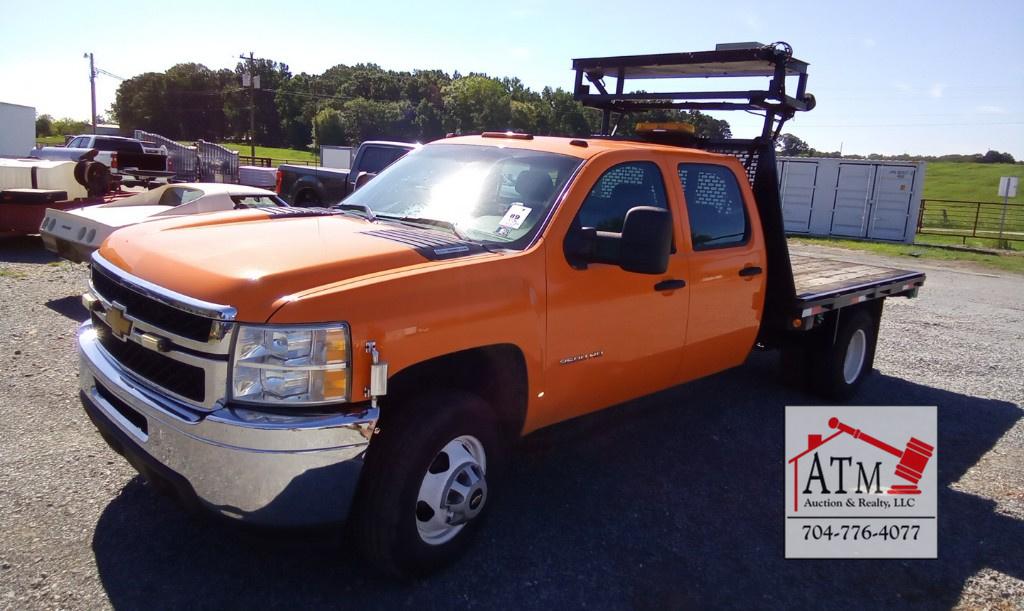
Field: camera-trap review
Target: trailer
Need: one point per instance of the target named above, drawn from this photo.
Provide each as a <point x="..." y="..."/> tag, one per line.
<point x="17" y="129"/>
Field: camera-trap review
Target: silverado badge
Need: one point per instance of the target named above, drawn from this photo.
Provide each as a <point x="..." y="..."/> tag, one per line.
<point x="120" y="326"/>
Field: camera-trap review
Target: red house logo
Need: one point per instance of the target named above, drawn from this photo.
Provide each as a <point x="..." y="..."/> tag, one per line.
<point x="913" y="459"/>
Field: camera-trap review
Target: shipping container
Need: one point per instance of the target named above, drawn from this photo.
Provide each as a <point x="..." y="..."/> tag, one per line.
<point x="851" y="198"/>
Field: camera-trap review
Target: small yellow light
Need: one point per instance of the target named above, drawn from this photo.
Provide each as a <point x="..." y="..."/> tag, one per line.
<point x="797" y="323"/>
<point x="336" y="345"/>
<point x="335" y="384"/>
<point x="676" y="127"/>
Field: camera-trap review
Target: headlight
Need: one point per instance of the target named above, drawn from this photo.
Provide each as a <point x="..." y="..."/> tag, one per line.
<point x="288" y="364"/>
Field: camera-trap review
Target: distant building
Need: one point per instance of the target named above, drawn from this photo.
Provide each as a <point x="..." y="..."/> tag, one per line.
<point x="109" y="129"/>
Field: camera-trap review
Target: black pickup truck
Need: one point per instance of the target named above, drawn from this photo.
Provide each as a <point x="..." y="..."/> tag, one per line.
<point x="315" y="186"/>
<point x="121" y="155"/>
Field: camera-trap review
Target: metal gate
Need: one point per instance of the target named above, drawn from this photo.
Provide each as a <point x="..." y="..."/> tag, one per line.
<point x="184" y="159"/>
<point x="216" y="163"/>
<point x="797" y="181"/>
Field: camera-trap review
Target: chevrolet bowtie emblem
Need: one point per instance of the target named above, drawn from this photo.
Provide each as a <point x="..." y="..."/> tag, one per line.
<point x="120" y="326"/>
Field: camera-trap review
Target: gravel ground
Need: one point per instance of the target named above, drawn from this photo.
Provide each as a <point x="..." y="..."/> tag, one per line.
<point x="675" y="500"/>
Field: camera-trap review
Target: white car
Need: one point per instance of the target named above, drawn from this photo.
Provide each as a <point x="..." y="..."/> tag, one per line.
<point x="75" y="234"/>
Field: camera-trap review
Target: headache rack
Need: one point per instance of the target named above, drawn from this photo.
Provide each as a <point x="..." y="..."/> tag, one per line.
<point x="743" y="60"/>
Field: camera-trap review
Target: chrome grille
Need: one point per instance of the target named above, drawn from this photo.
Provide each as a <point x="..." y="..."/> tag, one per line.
<point x="174" y="343"/>
<point x="142" y="308"/>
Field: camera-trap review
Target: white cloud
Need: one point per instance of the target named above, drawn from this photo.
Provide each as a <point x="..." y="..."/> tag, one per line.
<point x="989" y="109"/>
<point x="869" y="43"/>
<point x="519" y="52"/>
<point x="902" y="87"/>
<point x="936" y="90"/>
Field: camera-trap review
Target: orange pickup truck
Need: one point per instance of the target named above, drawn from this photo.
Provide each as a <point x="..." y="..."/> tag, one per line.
<point x="375" y="361"/>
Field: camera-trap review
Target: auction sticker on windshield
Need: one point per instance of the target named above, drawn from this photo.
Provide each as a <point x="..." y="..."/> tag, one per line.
<point x="861" y="482"/>
<point x="515" y="216"/>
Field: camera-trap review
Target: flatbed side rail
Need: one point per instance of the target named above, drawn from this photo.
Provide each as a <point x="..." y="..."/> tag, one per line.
<point x="807" y="308"/>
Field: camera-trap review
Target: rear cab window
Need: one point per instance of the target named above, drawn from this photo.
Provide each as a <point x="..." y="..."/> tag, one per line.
<point x="714" y="205"/>
<point x="376" y="158"/>
<point x="118" y="145"/>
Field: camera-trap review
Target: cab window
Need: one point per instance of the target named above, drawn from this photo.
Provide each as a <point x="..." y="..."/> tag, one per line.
<point x="714" y="205"/>
<point x="179" y="196"/>
<point x="625" y="186"/>
<point x="256" y="201"/>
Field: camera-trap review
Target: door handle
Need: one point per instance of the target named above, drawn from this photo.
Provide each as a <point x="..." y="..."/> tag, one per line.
<point x="669" y="285"/>
<point x="750" y="271"/>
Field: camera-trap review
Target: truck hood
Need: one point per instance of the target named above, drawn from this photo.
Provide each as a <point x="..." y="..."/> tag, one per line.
<point x="256" y="260"/>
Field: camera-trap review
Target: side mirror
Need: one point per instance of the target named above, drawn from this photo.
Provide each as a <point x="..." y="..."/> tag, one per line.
<point x="643" y="247"/>
<point x="646" y="241"/>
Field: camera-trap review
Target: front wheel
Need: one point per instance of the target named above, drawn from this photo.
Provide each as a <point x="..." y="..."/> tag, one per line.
<point x="425" y="484"/>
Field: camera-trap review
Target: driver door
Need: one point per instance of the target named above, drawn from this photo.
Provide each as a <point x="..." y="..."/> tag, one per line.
<point x="611" y="334"/>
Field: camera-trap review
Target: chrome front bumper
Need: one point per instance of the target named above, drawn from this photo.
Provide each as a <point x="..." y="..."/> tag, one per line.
<point x="257" y="467"/>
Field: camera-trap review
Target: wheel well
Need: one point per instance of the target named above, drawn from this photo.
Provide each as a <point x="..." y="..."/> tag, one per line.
<point x="304" y="193"/>
<point x="497" y="374"/>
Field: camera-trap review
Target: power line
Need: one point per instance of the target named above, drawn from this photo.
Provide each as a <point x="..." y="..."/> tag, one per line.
<point x="795" y="124"/>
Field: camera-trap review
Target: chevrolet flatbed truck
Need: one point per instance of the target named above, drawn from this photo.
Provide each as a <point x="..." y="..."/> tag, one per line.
<point x="374" y="362"/>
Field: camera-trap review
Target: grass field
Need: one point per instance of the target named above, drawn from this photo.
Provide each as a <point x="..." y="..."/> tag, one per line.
<point x="1009" y="262"/>
<point x="277" y="154"/>
<point x="969" y="181"/>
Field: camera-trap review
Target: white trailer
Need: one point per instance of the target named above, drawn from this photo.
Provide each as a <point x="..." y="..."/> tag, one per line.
<point x="17" y="129"/>
<point x="851" y="198"/>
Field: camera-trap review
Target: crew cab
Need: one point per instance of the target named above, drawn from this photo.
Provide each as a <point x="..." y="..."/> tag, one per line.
<point x="313" y="186"/>
<point x="116" y="152"/>
<point x="377" y="360"/>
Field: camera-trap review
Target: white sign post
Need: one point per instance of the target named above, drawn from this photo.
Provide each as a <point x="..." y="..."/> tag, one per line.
<point x="1007" y="189"/>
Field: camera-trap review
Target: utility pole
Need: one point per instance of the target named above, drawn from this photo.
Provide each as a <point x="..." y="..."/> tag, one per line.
<point x="92" y="88"/>
<point x="252" y="102"/>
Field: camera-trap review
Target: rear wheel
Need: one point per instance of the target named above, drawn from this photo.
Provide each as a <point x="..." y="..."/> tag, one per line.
<point x="842" y="365"/>
<point x="425" y="484"/>
<point x="307" y="198"/>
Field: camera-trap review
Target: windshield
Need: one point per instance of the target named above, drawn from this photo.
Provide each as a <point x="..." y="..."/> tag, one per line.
<point x="490" y="194"/>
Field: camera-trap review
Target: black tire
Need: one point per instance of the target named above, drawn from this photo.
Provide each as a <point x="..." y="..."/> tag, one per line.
<point x="307" y="198"/>
<point x="829" y="375"/>
<point x="384" y="522"/>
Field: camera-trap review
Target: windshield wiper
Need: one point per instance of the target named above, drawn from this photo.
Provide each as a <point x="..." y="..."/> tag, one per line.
<point x="370" y="216"/>
<point x="415" y="220"/>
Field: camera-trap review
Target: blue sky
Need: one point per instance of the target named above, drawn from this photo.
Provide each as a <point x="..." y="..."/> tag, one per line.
<point x="891" y="77"/>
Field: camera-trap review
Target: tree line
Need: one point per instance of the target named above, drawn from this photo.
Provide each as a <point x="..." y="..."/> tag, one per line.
<point x="792" y="146"/>
<point x="346" y="105"/>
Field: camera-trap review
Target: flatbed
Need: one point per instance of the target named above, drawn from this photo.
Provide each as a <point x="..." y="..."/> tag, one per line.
<point x="827" y="284"/>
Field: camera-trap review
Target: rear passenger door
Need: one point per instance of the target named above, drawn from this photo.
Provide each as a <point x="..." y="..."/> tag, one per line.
<point x="727" y="269"/>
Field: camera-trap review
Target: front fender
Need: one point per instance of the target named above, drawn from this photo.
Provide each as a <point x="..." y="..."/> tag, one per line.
<point x="425" y="311"/>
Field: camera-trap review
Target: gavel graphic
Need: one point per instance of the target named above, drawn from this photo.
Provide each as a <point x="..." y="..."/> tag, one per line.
<point x="913" y="459"/>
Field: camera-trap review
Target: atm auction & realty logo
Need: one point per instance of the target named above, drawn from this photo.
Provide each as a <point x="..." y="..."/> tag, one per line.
<point x="861" y="482"/>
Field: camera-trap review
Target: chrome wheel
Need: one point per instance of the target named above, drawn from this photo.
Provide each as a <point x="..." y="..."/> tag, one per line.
<point x="856" y="350"/>
<point x="453" y="490"/>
